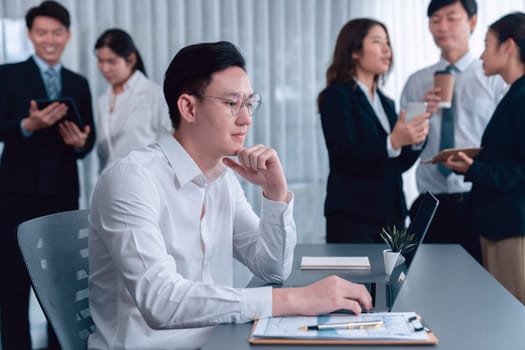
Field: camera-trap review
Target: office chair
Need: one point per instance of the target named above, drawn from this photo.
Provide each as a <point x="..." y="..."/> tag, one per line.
<point x="55" y="251"/>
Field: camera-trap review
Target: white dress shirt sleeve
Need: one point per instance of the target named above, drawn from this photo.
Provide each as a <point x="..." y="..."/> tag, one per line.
<point x="392" y="153"/>
<point x="128" y="224"/>
<point x="265" y="246"/>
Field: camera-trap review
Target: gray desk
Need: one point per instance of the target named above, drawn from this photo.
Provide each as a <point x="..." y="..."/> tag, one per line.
<point x="463" y="304"/>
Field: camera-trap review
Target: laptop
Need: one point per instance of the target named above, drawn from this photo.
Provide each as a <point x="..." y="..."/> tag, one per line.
<point x="384" y="293"/>
<point x="418" y="227"/>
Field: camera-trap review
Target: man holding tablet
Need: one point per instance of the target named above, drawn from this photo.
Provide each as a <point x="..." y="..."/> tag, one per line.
<point x="38" y="168"/>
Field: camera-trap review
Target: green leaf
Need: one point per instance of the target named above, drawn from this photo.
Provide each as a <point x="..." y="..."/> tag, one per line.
<point x="398" y="240"/>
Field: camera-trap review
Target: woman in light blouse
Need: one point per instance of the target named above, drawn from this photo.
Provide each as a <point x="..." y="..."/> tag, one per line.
<point x="132" y="111"/>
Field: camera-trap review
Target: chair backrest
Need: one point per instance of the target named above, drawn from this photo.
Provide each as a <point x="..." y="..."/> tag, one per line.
<point x="55" y="251"/>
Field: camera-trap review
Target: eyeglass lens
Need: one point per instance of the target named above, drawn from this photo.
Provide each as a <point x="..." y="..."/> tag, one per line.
<point x="253" y="102"/>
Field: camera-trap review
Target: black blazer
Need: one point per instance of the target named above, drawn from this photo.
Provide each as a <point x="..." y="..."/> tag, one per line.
<point x="41" y="164"/>
<point x="498" y="172"/>
<point x="362" y="179"/>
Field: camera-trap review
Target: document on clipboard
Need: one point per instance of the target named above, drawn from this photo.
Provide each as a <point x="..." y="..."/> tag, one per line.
<point x="401" y="328"/>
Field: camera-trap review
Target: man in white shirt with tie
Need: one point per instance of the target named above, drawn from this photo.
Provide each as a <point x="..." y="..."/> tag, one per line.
<point x="167" y="221"/>
<point x="451" y="23"/>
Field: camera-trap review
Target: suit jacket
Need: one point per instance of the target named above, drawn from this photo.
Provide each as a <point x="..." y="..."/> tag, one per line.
<point x="498" y="172"/>
<point x="41" y="164"/>
<point x="363" y="180"/>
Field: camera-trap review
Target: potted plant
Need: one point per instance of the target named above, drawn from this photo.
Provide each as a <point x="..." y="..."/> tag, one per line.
<point x="399" y="241"/>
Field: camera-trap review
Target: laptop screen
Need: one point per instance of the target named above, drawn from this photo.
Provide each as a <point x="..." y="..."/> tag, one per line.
<point x="418" y="227"/>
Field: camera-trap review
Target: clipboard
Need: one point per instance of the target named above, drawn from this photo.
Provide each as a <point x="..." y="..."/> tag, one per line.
<point x="444" y="154"/>
<point x="431" y="340"/>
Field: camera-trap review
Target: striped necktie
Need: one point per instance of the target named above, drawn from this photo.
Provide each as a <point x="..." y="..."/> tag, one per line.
<point x="447" y="127"/>
<point x="52" y="83"/>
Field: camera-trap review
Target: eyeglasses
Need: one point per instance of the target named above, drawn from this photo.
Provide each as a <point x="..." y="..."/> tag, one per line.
<point x="237" y="102"/>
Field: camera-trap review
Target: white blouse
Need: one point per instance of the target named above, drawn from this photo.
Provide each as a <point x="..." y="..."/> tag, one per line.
<point x="138" y="115"/>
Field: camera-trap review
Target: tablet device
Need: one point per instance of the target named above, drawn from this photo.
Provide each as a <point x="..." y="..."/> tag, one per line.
<point x="72" y="110"/>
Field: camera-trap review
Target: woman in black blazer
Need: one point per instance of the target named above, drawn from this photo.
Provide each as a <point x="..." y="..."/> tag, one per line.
<point x="369" y="147"/>
<point x="498" y="172"/>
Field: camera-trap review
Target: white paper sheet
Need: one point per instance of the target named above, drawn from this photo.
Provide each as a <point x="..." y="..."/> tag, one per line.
<point x="396" y="327"/>
<point x="335" y="262"/>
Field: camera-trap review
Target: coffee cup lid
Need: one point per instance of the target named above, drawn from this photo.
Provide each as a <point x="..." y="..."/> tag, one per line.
<point x="442" y="72"/>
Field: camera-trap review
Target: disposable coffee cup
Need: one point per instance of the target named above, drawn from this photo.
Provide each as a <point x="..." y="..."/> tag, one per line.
<point x="445" y="81"/>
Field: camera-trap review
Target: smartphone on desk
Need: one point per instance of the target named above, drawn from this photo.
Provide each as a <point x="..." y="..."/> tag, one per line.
<point x="72" y="113"/>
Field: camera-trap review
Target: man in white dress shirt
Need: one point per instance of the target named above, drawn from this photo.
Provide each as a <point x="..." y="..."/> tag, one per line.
<point x="451" y="23"/>
<point x="167" y="220"/>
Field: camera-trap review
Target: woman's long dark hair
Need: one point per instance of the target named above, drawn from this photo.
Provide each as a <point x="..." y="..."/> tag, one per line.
<point x="511" y="26"/>
<point x="350" y="41"/>
<point x="122" y="44"/>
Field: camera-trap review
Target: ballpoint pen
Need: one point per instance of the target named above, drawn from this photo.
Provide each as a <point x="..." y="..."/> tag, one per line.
<point x="345" y="325"/>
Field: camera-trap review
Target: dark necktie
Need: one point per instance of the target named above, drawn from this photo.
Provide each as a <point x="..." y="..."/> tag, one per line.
<point x="52" y="84"/>
<point x="447" y="127"/>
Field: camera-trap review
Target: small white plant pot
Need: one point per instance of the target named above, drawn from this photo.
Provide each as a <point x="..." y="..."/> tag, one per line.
<point x="391" y="260"/>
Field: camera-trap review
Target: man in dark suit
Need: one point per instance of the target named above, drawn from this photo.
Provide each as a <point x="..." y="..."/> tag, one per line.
<point x="38" y="168"/>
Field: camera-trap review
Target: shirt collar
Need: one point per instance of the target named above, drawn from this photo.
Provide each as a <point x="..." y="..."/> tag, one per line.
<point x="43" y="66"/>
<point x="129" y="84"/>
<point x="184" y="167"/>
<point x="460" y="64"/>
<point x="364" y="88"/>
<point x="133" y="80"/>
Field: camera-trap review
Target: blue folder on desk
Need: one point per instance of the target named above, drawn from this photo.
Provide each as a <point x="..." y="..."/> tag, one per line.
<point x="418" y="227"/>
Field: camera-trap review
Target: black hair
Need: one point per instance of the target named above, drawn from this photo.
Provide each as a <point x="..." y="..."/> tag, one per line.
<point x="48" y="9"/>
<point x="350" y="41"/>
<point x="121" y="43"/>
<point x="192" y="68"/>
<point x="470" y="6"/>
<point x="511" y="26"/>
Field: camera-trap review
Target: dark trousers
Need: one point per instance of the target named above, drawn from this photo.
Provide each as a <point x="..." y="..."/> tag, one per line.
<point x="343" y="227"/>
<point x="452" y="223"/>
<point x="14" y="293"/>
